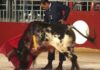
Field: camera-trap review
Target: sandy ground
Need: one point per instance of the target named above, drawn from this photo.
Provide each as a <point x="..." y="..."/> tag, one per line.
<point x="88" y="60"/>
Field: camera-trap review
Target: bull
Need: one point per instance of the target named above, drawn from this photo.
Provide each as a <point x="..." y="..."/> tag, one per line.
<point x="39" y="37"/>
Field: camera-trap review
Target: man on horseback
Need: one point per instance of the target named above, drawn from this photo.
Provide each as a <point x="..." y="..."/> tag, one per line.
<point x="54" y="13"/>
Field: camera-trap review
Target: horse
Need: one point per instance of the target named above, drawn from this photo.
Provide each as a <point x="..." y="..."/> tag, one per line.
<point x="41" y="36"/>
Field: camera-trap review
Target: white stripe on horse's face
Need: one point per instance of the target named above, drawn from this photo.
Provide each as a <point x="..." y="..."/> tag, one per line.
<point x="59" y="44"/>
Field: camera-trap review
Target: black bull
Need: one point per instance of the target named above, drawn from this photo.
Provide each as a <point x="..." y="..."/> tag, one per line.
<point x="40" y="30"/>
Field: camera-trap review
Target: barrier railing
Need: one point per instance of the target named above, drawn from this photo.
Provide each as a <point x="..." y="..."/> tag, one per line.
<point x="30" y="10"/>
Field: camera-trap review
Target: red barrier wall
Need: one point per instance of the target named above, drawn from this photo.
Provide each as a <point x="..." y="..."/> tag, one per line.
<point x="92" y="19"/>
<point x="8" y="30"/>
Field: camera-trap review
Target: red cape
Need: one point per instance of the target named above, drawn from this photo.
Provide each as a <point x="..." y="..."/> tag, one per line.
<point x="10" y="45"/>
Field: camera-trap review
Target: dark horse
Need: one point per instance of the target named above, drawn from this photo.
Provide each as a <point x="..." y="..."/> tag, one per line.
<point x="41" y="36"/>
